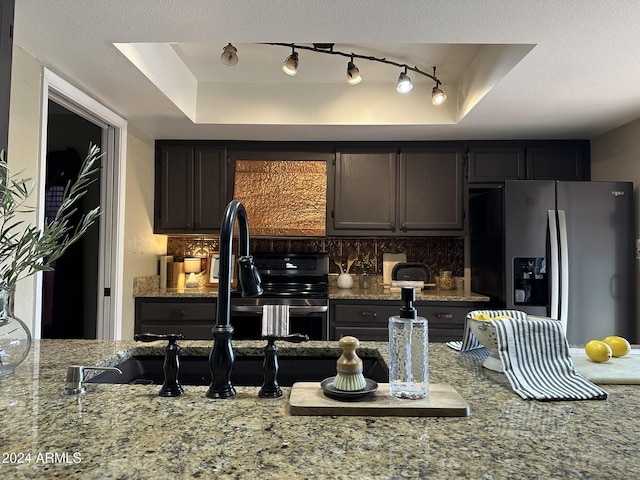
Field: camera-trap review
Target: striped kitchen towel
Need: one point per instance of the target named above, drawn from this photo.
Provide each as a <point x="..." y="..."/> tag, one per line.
<point x="275" y="320"/>
<point x="469" y="340"/>
<point x="536" y="360"/>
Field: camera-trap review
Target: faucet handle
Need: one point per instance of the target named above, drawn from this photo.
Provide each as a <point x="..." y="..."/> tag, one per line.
<point x="152" y="337"/>
<point x="292" y="338"/>
<point x="75" y="377"/>
<point x="171" y="386"/>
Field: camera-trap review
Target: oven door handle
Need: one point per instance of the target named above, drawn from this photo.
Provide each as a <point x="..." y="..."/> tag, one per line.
<point x="293" y="309"/>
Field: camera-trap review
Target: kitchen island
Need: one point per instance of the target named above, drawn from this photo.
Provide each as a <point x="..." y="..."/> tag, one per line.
<point x="129" y="432"/>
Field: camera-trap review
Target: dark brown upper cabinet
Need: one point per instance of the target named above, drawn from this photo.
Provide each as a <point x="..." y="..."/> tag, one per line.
<point x="362" y="192"/>
<point x="397" y="193"/>
<point x="192" y="188"/>
<point x="548" y="160"/>
<point x="496" y="164"/>
<point x="558" y="163"/>
<point x="431" y="193"/>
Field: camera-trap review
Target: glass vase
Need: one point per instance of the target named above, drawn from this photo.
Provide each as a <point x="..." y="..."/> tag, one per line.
<point x="15" y="337"/>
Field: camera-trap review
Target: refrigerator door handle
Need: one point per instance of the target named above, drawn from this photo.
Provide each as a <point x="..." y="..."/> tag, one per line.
<point x="555" y="265"/>
<point x="564" y="259"/>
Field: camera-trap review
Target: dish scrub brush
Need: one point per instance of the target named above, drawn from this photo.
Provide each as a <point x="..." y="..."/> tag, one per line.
<point x="349" y="377"/>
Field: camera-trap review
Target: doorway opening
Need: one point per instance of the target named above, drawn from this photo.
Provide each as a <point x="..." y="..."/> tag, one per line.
<point x="70" y="290"/>
<point x="104" y="281"/>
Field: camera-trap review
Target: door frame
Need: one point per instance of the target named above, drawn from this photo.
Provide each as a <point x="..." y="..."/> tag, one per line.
<point x="111" y="245"/>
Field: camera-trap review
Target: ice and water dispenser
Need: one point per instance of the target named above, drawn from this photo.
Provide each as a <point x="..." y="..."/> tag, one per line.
<point x="530" y="285"/>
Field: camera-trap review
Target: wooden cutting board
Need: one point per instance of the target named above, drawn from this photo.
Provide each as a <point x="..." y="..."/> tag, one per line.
<point x="308" y="398"/>
<point x="621" y="370"/>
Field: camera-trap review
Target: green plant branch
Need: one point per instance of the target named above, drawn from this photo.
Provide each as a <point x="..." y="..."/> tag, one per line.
<point x="25" y="250"/>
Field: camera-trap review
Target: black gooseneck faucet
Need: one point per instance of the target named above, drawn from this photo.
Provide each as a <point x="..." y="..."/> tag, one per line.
<point x="221" y="359"/>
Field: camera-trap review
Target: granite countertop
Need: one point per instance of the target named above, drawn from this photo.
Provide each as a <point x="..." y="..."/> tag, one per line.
<point x="129" y="432"/>
<point x="335" y="293"/>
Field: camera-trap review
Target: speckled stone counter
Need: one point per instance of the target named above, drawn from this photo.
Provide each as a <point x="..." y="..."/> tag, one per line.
<point x="335" y="293"/>
<point x="129" y="432"/>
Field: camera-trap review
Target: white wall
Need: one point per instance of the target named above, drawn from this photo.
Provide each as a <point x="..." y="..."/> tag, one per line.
<point x="24" y="149"/>
<point x="141" y="246"/>
<point x="615" y="156"/>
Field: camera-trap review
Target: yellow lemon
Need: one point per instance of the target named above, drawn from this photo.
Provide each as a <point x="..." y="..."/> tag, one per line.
<point x="619" y="345"/>
<point x="598" y="351"/>
<point x="482" y="316"/>
<point x="502" y="317"/>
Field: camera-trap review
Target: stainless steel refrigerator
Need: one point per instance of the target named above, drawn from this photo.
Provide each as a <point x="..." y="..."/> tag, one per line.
<point x="558" y="249"/>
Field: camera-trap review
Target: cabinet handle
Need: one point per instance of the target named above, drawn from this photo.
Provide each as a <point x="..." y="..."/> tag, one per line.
<point x="393" y="227"/>
<point x="178" y="313"/>
<point x="403" y="226"/>
<point x="444" y="315"/>
<point x="369" y="314"/>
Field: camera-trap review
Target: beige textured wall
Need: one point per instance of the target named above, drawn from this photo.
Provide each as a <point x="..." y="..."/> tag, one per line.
<point x="24" y="149"/>
<point x="615" y="156"/>
<point x="141" y="246"/>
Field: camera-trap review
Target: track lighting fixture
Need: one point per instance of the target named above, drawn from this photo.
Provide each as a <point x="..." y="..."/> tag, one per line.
<point x="438" y="97"/>
<point x="229" y="55"/>
<point x="353" y="73"/>
<point x="404" y="83"/>
<point x="290" y="65"/>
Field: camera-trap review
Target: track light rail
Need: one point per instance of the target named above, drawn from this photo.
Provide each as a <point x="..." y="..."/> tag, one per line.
<point x="328" y="49"/>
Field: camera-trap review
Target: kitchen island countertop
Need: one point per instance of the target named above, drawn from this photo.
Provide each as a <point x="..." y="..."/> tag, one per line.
<point x="129" y="432"/>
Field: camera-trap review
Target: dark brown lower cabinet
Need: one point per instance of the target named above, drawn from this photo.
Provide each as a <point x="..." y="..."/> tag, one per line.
<point x="192" y="317"/>
<point x="369" y="320"/>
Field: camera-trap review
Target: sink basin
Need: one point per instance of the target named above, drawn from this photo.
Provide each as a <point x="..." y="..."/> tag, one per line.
<point x="247" y="371"/>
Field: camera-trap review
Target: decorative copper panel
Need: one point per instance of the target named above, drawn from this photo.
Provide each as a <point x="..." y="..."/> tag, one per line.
<point x="283" y="198"/>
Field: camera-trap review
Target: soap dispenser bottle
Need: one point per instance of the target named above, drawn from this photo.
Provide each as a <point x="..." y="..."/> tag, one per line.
<point x="408" y="351"/>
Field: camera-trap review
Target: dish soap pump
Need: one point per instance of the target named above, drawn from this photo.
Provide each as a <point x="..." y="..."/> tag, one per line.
<point x="408" y="351"/>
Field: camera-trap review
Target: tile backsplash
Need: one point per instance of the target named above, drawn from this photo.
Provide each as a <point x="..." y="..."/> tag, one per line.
<point x="439" y="253"/>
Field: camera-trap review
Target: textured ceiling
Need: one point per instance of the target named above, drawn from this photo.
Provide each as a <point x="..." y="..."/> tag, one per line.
<point x="543" y="69"/>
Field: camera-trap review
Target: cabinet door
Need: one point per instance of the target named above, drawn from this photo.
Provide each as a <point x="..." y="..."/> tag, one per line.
<point x="446" y="322"/>
<point x="496" y="164"/>
<point x="430" y="194"/>
<point x="210" y="194"/>
<point x="368" y="321"/>
<point x="363" y="321"/>
<point x="194" y="318"/>
<point x="191" y="189"/>
<point x="174" y="189"/>
<point x="364" y="192"/>
<point x="556" y="163"/>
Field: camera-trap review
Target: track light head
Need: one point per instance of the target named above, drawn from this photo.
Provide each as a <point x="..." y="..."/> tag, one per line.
<point x="290" y="65"/>
<point x="438" y="97"/>
<point x="353" y="74"/>
<point x="404" y="83"/>
<point x="229" y="55"/>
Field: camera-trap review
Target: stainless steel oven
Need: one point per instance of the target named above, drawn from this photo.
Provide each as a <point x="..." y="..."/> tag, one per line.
<point x="300" y="280"/>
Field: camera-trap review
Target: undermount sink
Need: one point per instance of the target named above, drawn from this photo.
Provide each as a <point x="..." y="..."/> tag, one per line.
<point x="247" y="371"/>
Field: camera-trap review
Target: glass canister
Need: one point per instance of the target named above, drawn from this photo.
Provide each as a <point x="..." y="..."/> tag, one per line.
<point x="446" y="281"/>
